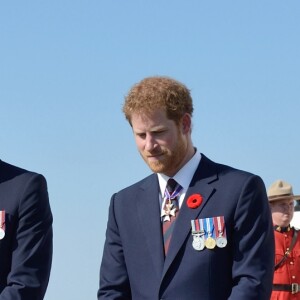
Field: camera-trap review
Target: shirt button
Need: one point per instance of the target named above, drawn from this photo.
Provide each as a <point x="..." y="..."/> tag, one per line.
<point x="293" y="277"/>
<point x="291" y="263"/>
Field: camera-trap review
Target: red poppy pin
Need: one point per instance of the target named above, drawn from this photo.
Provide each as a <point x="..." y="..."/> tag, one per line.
<point x="194" y="201"/>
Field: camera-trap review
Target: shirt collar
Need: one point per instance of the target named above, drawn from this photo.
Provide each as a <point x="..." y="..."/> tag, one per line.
<point x="183" y="176"/>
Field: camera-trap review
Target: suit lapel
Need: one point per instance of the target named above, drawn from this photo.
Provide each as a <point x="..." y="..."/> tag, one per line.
<point x="148" y="211"/>
<point x="204" y="174"/>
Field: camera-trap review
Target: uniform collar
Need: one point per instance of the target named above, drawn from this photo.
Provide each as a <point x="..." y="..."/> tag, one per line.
<point x="282" y="229"/>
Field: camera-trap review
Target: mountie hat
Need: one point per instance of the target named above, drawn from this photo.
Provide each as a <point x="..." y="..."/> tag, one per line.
<point x="281" y="190"/>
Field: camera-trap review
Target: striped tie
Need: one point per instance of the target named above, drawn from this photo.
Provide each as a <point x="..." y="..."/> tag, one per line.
<point x="171" y="210"/>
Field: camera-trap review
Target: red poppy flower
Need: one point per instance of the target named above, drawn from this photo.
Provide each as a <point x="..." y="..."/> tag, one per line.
<point x="194" y="201"/>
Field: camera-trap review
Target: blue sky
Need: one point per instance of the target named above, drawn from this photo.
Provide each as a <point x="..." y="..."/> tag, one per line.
<point x="65" y="67"/>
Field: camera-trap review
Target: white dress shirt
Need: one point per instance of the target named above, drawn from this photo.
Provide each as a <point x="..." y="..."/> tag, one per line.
<point x="183" y="177"/>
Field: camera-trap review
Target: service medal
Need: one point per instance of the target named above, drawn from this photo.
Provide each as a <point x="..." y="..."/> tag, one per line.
<point x="221" y="242"/>
<point x="198" y="243"/>
<point x="221" y="239"/>
<point x="2" y="233"/>
<point x="168" y="212"/>
<point x="210" y="243"/>
<point x="197" y="232"/>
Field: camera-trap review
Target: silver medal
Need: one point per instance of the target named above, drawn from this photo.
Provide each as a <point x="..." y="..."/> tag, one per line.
<point x="2" y="233"/>
<point x="221" y="242"/>
<point x="198" y="243"/>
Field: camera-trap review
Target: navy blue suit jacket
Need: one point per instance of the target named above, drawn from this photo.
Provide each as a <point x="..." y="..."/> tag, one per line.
<point x="26" y="249"/>
<point x="133" y="264"/>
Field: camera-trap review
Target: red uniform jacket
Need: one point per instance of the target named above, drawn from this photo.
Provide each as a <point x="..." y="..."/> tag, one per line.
<point x="289" y="271"/>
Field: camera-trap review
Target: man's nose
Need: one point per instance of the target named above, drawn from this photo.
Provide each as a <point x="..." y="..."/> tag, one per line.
<point x="150" y="143"/>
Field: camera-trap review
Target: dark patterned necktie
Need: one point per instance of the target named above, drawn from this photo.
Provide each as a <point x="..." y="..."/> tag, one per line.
<point x="171" y="210"/>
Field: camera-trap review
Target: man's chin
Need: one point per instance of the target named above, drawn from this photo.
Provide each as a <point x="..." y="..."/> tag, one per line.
<point x="157" y="167"/>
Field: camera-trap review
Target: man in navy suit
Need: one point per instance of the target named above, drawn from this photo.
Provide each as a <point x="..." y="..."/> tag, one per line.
<point x="194" y="229"/>
<point x="25" y="234"/>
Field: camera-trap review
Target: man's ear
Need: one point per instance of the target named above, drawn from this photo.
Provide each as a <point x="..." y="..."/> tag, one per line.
<point x="186" y="123"/>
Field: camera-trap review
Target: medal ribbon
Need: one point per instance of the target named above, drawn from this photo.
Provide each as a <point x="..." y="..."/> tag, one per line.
<point x="219" y="223"/>
<point x="195" y="226"/>
<point x="201" y="226"/>
<point x="209" y="226"/>
<point x="174" y="194"/>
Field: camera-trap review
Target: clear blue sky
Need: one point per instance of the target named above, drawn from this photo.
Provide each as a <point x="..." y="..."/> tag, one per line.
<point x="65" y="67"/>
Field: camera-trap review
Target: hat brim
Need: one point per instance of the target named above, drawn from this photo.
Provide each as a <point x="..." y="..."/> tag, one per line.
<point x="294" y="197"/>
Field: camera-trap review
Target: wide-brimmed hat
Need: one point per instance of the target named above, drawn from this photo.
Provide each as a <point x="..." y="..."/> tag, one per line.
<point x="281" y="190"/>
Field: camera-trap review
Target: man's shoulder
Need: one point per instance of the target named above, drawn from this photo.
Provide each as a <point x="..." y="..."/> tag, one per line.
<point x="9" y="172"/>
<point x="141" y="184"/>
<point x="5" y="166"/>
<point x="223" y="169"/>
<point x="16" y="184"/>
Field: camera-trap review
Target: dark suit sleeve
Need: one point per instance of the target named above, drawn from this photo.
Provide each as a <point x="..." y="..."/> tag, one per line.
<point x="253" y="257"/>
<point x="114" y="282"/>
<point x="32" y="244"/>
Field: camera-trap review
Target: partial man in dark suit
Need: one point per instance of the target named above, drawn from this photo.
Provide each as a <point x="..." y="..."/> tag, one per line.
<point x="194" y="229"/>
<point x="25" y="234"/>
